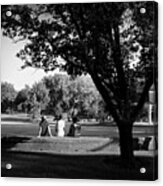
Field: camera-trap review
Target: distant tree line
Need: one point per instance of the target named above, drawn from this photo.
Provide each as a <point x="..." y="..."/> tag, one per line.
<point x="55" y="95"/>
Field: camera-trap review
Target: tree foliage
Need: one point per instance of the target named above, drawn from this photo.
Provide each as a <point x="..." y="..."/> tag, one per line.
<point x="42" y="94"/>
<point x="21" y="97"/>
<point x="8" y="94"/>
<point x="65" y="91"/>
<point x="60" y="94"/>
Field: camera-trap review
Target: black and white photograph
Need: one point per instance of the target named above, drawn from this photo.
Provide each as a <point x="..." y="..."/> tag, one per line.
<point x="79" y="90"/>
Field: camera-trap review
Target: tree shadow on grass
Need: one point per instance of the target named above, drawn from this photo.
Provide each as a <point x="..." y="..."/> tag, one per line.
<point x="111" y="142"/>
<point x="45" y="165"/>
<point x="9" y="142"/>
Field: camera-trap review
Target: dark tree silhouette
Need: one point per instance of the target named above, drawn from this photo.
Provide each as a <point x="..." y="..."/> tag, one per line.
<point x="116" y="43"/>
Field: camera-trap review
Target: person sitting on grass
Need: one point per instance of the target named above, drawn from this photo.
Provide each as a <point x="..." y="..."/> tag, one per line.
<point x="60" y="127"/>
<point x="44" y="128"/>
<point x="72" y="127"/>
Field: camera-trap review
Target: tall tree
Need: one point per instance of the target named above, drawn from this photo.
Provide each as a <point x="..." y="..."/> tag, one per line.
<point x="42" y="95"/>
<point x="21" y="100"/>
<point x="64" y="90"/>
<point x="114" y="42"/>
<point x="55" y="86"/>
<point x="83" y="95"/>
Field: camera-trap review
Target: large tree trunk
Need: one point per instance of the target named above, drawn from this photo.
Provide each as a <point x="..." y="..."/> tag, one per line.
<point x="125" y="127"/>
<point x="126" y="142"/>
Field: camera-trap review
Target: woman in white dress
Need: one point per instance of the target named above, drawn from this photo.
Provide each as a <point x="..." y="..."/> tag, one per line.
<point x="60" y="127"/>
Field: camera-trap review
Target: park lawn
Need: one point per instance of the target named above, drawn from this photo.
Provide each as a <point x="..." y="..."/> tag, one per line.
<point x="92" y="156"/>
<point x="69" y="158"/>
<point x="40" y="165"/>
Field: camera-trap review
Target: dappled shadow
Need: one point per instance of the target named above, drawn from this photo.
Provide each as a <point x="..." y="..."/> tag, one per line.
<point x="9" y="142"/>
<point x="46" y="165"/>
<point x="111" y="142"/>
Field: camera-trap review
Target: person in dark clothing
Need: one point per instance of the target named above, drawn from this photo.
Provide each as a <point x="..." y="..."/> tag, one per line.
<point x="74" y="128"/>
<point x="44" y="128"/>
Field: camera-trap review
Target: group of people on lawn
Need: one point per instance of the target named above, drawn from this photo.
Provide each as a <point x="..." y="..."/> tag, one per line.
<point x="45" y="130"/>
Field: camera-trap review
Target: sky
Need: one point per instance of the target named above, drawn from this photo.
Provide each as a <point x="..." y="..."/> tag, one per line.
<point x="11" y="66"/>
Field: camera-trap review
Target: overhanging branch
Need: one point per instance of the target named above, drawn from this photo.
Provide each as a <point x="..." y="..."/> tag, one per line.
<point x="75" y="22"/>
<point x="103" y="91"/>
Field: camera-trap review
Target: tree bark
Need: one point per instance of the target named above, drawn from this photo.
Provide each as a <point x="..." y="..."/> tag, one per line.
<point x="124" y="126"/>
<point x="126" y="142"/>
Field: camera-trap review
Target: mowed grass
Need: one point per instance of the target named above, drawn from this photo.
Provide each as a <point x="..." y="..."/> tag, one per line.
<point x="90" y="130"/>
<point x="46" y="158"/>
<point x="20" y="124"/>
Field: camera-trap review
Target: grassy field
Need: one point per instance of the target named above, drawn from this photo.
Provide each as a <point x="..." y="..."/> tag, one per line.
<point x="94" y="155"/>
<point x="22" y="125"/>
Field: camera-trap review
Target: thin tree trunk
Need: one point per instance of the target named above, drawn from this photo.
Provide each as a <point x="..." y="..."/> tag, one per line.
<point x="126" y="142"/>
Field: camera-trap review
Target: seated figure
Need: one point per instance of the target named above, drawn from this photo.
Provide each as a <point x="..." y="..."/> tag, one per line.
<point x="60" y="127"/>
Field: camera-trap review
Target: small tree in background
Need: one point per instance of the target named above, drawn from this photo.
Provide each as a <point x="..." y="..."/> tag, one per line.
<point x="8" y="95"/>
<point x="41" y="94"/>
<point x="21" y="100"/>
